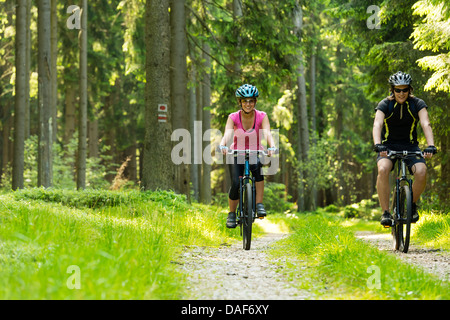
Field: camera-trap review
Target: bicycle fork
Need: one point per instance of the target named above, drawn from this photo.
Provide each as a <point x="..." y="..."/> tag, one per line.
<point x="401" y="168"/>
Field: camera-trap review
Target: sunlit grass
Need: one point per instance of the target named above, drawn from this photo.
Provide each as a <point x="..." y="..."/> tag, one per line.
<point x="433" y="230"/>
<point x="124" y="249"/>
<point x="332" y="263"/>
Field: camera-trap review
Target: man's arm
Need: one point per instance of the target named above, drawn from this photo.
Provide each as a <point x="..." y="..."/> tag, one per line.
<point x="377" y="127"/>
<point x="426" y="127"/>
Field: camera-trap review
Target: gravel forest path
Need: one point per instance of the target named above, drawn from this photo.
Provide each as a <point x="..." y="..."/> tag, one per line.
<point x="218" y="273"/>
<point x="231" y="273"/>
<point x="435" y="261"/>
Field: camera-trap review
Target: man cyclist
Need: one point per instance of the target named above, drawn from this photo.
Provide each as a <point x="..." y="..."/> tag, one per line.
<point x="244" y="126"/>
<point x="394" y="128"/>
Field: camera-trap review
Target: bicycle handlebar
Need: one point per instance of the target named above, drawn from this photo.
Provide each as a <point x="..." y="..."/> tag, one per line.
<point x="404" y="154"/>
<point x="248" y="151"/>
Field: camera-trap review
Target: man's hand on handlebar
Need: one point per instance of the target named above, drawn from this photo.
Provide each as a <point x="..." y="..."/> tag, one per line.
<point x="429" y="151"/>
<point x="382" y="149"/>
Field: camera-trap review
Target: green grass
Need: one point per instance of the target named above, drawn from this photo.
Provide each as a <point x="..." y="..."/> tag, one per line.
<point x="124" y="243"/>
<point x="432" y="230"/>
<point x="328" y="261"/>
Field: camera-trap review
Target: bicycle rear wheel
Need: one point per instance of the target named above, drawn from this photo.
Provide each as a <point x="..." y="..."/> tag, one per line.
<point x="247" y="216"/>
<point x="402" y="229"/>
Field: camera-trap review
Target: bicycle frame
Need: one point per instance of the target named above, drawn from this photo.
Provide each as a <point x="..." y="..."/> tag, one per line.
<point x="247" y="191"/>
<point x="401" y="177"/>
<point x="243" y="180"/>
<point x="402" y="206"/>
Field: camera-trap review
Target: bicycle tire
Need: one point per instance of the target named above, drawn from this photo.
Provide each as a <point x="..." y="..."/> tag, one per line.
<point x="406" y="217"/>
<point x="247" y="216"/>
<point x="395" y="230"/>
<point x="401" y="230"/>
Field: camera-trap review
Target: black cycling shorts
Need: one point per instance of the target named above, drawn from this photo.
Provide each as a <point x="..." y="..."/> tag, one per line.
<point x="237" y="170"/>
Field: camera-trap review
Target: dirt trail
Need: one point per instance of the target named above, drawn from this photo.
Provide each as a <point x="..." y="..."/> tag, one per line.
<point x="231" y="273"/>
<point x="435" y="261"/>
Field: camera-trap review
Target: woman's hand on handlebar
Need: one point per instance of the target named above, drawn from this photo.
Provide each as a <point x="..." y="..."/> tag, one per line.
<point x="224" y="149"/>
<point x="271" y="151"/>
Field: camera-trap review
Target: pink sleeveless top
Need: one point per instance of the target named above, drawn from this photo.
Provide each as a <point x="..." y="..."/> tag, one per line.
<point x="247" y="139"/>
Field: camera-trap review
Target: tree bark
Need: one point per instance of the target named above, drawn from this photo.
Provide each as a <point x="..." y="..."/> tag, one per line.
<point x="20" y="95"/>
<point x="54" y="78"/>
<point x="82" y="123"/>
<point x="178" y="81"/>
<point x="302" y="121"/>
<point x="28" y="74"/>
<point x="313" y="123"/>
<point x="205" y="195"/>
<point x="45" y="163"/>
<point x="158" y="169"/>
<point x="195" y="147"/>
<point x="69" y="114"/>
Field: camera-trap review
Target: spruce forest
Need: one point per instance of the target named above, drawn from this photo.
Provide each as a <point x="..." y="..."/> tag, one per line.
<point x="105" y="94"/>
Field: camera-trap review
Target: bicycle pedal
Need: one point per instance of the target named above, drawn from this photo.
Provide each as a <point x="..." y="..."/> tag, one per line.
<point x="260" y="218"/>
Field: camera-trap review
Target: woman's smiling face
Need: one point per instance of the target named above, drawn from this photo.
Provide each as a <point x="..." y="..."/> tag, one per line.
<point x="400" y="94"/>
<point x="248" y="104"/>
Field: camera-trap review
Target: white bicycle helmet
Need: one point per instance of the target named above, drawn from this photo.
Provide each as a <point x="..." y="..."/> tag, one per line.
<point x="400" y="79"/>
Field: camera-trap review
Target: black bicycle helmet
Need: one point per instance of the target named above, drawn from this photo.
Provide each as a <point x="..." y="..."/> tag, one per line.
<point x="247" y="91"/>
<point x="400" y="79"/>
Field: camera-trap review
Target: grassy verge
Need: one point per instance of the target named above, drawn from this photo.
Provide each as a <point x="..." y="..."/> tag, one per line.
<point x="327" y="260"/>
<point x="120" y="245"/>
<point x="432" y="230"/>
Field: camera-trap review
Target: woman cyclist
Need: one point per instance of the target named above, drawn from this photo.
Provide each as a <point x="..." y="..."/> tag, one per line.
<point x="244" y="127"/>
<point x="394" y="128"/>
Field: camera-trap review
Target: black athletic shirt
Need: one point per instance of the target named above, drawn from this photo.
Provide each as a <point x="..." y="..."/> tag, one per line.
<point x="400" y="127"/>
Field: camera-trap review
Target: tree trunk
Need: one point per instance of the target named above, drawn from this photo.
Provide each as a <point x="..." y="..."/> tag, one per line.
<point x="54" y="78"/>
<point x="28" y="74"/>
<point x="178" y="81"/>
<point x="20" y="95"/>
<point x="302" y="121"/>
<point x="205" y="195"/>
<point x="82" y="123"/>
<point x="313" y="123"/>
<point x="193" y="129"/>
<point x="158" y="169"/>
<point x="69" y="114"/>
<point x="45" y="165"/>
<point x="93" y="138"/>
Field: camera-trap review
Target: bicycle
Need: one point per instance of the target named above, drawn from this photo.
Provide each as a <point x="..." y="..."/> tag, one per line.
<point x="246" y="211"/>
<point x="402" y="201"/>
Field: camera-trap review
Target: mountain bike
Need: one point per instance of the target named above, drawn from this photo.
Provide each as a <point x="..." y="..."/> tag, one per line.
<point x="402" y="201"/>
<point x="246" y="211"/>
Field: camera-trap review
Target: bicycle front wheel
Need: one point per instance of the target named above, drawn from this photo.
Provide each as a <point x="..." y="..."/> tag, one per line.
<point x="406" y="201"/>
<point x="402" y="229"/>
<point x="247" y="216"/>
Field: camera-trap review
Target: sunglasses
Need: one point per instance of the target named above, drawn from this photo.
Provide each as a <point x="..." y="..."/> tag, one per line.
<point x="249" y="101"/>
<point x="401" y="90"/>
